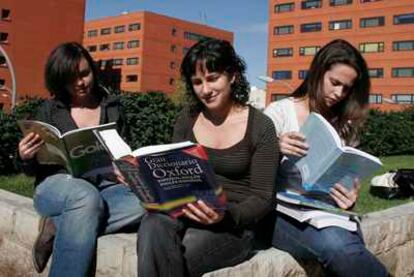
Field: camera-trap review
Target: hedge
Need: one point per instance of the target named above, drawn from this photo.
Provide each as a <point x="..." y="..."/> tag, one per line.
<point x="151" y="118"/>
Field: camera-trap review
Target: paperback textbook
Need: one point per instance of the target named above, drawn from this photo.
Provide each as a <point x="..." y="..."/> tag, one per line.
<point x="165" y="177"/>
<point x="79" y="151"/>
<point x="327" y="161"/>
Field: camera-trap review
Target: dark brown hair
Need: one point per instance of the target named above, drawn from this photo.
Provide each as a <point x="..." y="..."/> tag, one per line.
<point x="218" y="56"/>
<point x="62" y="68"/>
<point x="349" y="114"/>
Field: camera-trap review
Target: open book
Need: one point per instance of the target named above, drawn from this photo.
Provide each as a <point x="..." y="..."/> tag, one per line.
<point x="327" y="161"/>
<point x="165" y="177"/>
<point x="79" y="151"/>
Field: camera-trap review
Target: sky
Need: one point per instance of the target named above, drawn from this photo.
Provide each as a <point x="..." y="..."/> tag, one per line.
<point x="247" y="19"/>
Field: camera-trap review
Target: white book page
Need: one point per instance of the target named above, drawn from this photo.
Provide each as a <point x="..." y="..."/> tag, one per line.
<point x="28" y="126"/>
<point x="103" y="126"/>
<point x="152" y="149"/>
<point x="323" y="142"/>
<point x="349" y="149"/>
<point x="114" y="143"/>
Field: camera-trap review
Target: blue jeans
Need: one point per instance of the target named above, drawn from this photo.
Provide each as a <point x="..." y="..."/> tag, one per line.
<point x="81" y="212"/>
<point x="339" y="251"/>
<point x="179" y="247"/>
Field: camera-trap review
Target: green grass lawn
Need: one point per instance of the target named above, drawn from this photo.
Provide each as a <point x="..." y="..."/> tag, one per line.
<point x="367" y="203"/>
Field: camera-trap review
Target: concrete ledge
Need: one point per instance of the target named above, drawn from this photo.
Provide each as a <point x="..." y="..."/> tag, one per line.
<point x="389" y="234"/>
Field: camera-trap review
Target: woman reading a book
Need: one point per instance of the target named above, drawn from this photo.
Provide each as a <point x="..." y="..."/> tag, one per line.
<point x="240" y="143"/>
<point x="337" y="87"/>
<point x="74" y="211"/>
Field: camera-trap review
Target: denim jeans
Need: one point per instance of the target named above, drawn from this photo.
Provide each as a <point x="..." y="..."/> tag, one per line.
<point x="170" y="247"/>
<point x="339" y="251"/>
<point x="81" y="212"/>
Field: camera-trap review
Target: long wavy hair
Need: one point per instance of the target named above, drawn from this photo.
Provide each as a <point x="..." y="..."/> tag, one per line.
<point x="218" y="56"/>
<point x="62" y="69"/>
<point x="349" y="114"/>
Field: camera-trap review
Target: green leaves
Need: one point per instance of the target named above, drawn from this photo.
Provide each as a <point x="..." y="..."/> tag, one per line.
<point x="389" y="133"/>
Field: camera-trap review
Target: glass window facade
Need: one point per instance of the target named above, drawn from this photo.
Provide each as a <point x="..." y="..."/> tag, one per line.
<point x="133" y="44"/>
<point x="404" y="19"/>
<point x="376" y="72"/>
<point x="311" y="27"/>
<point x="407" y="45"/>
<point x="311" y="4"/>
<point x="372" y="22"/>
<point x="92" y="33"/>
<point x="340" y="24"/>
<point x="134" y="27"/>
<point x="282" y="75"/>
<point x="283" y="30"/>
<point x="119" y="29"/>
<point x="285" y="7"/>
<point x="131" y="78"/>
<point x="403" y="98"/>
<point x="375" y="98"/>
<point x="402" y="72"/>
<point x="308" y="50"/>
<point x="339" y="2"/>
<point x="371" y="47"/>
<point x="105" y="31"/>
<point x="132" y="61"/>
<point x="283" y="52"/>
<point x="118" y="45"/>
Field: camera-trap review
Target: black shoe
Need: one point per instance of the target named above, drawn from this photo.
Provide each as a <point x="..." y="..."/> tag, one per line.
<point x="43" y="245"/>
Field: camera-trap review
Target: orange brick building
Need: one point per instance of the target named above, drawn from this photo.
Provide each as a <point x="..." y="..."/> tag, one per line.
<point x="142" y="51"/>
<point x="29" y="30"/>
<point x="383" y="30"/>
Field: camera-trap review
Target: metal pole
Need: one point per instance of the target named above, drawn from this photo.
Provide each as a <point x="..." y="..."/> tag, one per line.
<point x="13" y="76"/>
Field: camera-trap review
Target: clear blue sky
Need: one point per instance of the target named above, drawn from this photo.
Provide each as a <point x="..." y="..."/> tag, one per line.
<point x="247" y="19"/>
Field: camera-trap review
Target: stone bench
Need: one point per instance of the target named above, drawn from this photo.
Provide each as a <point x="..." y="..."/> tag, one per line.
<point x="389" y="234"/>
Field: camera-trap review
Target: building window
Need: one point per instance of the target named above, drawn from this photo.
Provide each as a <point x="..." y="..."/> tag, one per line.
<point x="117" y="61"/>
<point x="339" y="2"/>
<point x="311" y="27"/>
<point x="302" y="74"/>
<point x="118" y="45"/>
<point x="132" y="61"/>
<point x="403" y="98"/>
<point x="106" y="63"/>
<point x="404" y="19"/>
<point x="104" y="47"/>
<point x="367" y="1"/>
<point x="134" y="27"/>
<point x="311" y="4"/>
<point x="2" y="82"/>
<point x="283" y="52"/>
<point x="282" y="75"/>
<point x="376" y="72"/>
<point x="174" y="31"/>
<point x="340" y="24"/>
<point x="372" y="22"/>
<point x="407" y="45"/>
<point x="285" y="7"/>
<point x="283" y="30"/>
<point x="105" y="31"/>
<point x="173" y="48"/>
<point x="185" y="50"/>
<point x="308" y="50"/>
<point x="5" y="14"/>
<point x="194" y="36"/>
<point x="3" y="62"/>
<point x="92" y="48"/>
<point x="131" y="78"/>
<point x="277" y="97"/>
<point x="92" y="33"/>
<point x="375" y="98"/>
<point x="403" y="72"/>
<point x="371" y="47"/>
<point x="171" y="81"/>
<point x="133" y="44"/>
<point x="119" y="29"/>
<point x="4" y="37"/>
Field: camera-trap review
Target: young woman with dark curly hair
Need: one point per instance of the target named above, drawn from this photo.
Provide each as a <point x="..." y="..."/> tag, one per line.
<point x="240" y="143"/>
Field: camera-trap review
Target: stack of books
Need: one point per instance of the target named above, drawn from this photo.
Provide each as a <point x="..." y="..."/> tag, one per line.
<point x="326" y="163"/>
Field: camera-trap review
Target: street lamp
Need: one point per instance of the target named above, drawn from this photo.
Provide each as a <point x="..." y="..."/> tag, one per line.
<point x="13" y="78"/>
<point x="268" y="79"/>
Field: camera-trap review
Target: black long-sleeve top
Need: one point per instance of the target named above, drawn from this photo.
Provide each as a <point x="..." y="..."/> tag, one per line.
<point x="246" y="170"/>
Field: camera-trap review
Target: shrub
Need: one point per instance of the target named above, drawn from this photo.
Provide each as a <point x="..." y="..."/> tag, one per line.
<point x="150" y="118"/>
<point x="389" y="133"/>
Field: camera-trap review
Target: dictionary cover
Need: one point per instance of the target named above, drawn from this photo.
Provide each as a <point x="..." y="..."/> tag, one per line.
<point x="166" y="177"/>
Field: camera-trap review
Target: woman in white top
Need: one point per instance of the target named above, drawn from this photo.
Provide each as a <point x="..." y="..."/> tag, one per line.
<point x="337" y="86"/>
